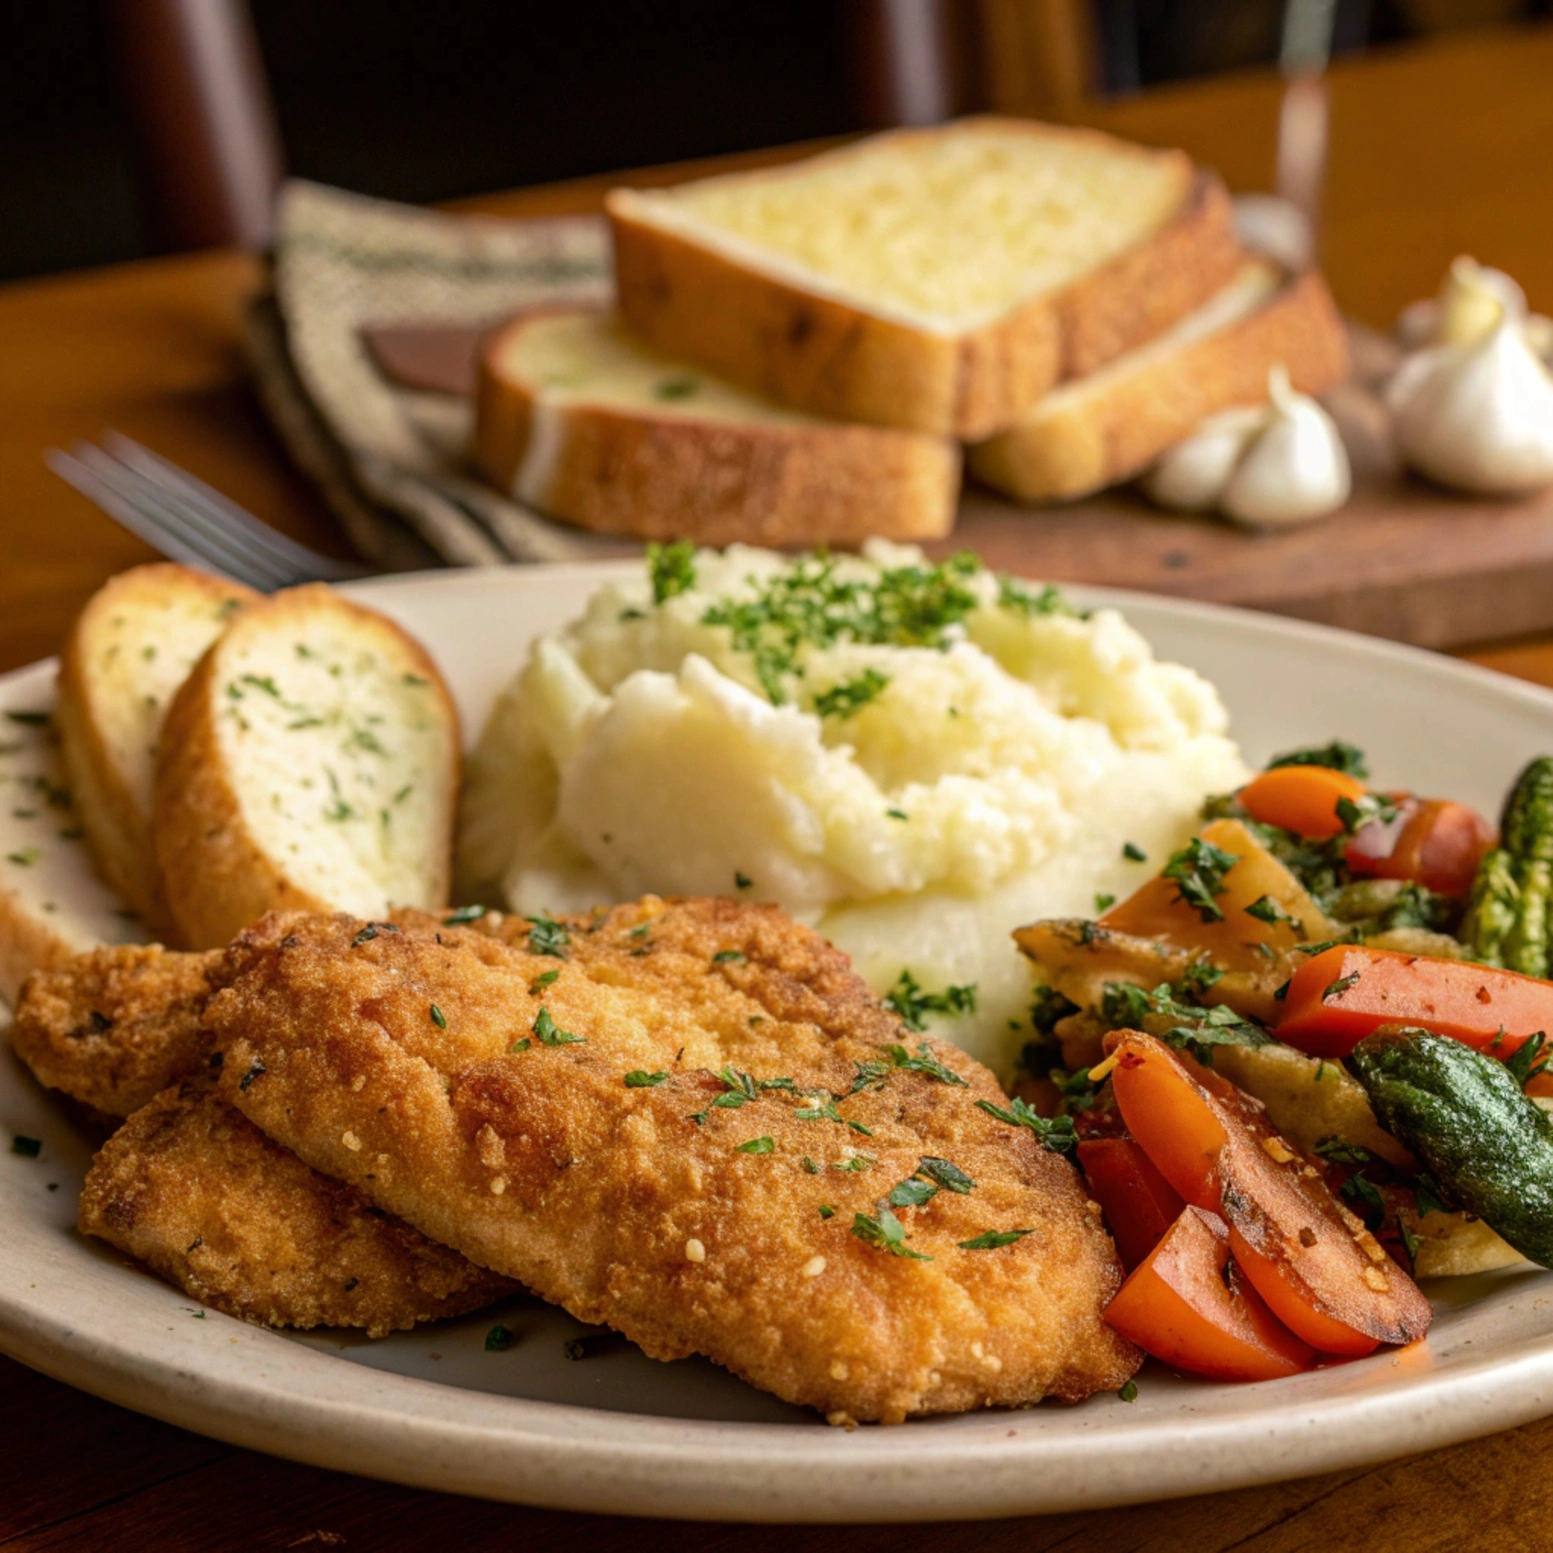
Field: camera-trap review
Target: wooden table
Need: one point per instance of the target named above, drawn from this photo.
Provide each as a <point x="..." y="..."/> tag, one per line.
<point x="1437" y="149"/>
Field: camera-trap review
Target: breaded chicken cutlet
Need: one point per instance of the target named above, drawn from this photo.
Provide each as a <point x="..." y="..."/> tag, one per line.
<point x="192" y="1188"/>
<point x="691" y="1122"/>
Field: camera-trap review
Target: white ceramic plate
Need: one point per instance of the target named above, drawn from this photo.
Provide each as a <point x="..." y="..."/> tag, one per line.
<point x="617" y="1432"/>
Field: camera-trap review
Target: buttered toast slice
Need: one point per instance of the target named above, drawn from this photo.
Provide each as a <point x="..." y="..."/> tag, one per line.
<point x="579" y="419"/>
<point x="1110" y="426"/>
<point x="123" y="662"/>
<point x="311" y="760"/>
<point x="939" y="279"/>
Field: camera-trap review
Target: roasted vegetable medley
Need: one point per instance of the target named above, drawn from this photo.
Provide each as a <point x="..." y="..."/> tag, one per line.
<point x="1303" y="1065"/>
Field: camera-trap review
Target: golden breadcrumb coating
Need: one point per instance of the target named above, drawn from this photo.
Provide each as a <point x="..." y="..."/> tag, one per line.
<point x="114" y="1027"/>
<point x="670" y="1123"/>
<point x="194" y="1190"/>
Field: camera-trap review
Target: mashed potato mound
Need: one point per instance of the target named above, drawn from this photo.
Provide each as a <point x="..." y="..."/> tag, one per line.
<point x="914" y="758"/>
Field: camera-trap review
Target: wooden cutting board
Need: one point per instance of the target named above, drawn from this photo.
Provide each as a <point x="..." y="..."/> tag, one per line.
<point x="1402" y="560"/>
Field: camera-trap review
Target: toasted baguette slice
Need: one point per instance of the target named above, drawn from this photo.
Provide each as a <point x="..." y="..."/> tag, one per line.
<point x="579" y="419"/>
<point x="311" y="760"/>
<point x="128" y="652"/>
<point x="53" y="903"/>
<point x="938" y="279"/>
<point x="1112" y="425"/>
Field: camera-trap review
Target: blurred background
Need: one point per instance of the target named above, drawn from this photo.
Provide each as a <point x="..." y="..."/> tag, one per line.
<point x="423" y="102"/>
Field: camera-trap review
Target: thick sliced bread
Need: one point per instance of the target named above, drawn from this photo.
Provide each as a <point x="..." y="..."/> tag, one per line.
<point x="1112" y="425"/>
<point x="937" y="279"/>
<point x="580" y="420"/>
<point x="311" y="760"/>
<point x="53" y="904"/>
<point x="126" y="656"/>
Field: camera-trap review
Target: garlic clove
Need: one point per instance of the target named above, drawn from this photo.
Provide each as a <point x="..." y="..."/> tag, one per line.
<point x="1471" y="301"/>
<point x="1293" y="469"/>
<point x="1477" y="416"/>
<point x="1189" y="476"/>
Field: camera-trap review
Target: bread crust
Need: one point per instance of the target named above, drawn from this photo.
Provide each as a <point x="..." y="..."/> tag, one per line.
<point x="1114" y="434"/>
<point x="629" y="471"/>
<point x="117" y="828"/>
<point x="801" y="346"/>
<point x="217" y="875"/>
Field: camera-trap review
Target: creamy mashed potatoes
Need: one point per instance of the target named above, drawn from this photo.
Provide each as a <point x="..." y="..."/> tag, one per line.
<point x="916" y="759"/>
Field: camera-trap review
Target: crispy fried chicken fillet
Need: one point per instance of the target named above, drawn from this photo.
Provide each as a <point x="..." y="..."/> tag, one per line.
<point x="478" y="1088"/>
<point x="194" y="1190"/>
<point x="114" y="1027"/>
<point x="191" y="1187"/>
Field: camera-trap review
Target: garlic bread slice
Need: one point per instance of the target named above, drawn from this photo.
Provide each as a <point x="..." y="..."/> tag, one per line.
<point x="123" y="662"/>
<point x="310" y="761"/>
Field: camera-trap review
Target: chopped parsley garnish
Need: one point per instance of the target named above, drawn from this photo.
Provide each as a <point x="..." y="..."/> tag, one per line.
<point x="947" y="1175"/>
<point x="909" y="1001"/>
<point x="925" y="1062"/>
<point x="30" y="719"/>
<point x="639" y="1078"/>
<point x="672" y="569"/>
<point x="1055" y="1132"/>
<point x="675" y="387"/>
<point x="807" y="605"/>
<point x="742" y="881"/>
<point x="1341" y="1152"/>
<point x="28" y="1148"/>
<point x="1048" y="1008"/>
<point x="896" y="814"/>
<point x="1266" y="909"/>
<point x="912" y="1193"/>
<point x="25" y="858"/>
<point x="826" y="1211"/>
<point x="756" y="1146"/>
<point x="1339" y="755"/>
<point x="255" y="1070"/>
<point x="549" y="1033"/>
<point x="543" y="980"/>
<point x="1370" y="808"/>
<point x="1198" y="977"/>
<point x="1129" y="1392"/>
<point x="1199" y="1029"/>
<point x="1528" y="1059"/>
<point x="1366" y="1198"/>
<point x="1012" y="594"/>
<point x="438" y="1018"/>
<point x="464" y="914"/>
<point x="825" y="1112"/>
<point x="727" y="956"/>
<point x="1198" y="870"/>
<point x="992" y="1240"/>
<point x="1337" y="988"/>
<point x="520" y="1045"/>
<point x="849" y="697"/>
<point x="499" y="1338"/>
<point x="808" y="1166"/>
<point x="1103" y="903"/>
<point x="547" y="936"/>
<point x="1134" y="853"/>
<point x="856" y="1164"/>
<point x="885" y="1233"/>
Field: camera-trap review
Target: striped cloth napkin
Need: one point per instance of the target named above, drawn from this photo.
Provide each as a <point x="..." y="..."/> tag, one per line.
<point x="352" y="278"/>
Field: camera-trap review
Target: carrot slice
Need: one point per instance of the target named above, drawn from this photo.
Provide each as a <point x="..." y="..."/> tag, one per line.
<point x="1341" y="995"/>
<point x="1140" y="1204"/>
<point x="1300" y="798"/>
<point x="1321" y="1272"/>
<point x="1187" y="1305"/>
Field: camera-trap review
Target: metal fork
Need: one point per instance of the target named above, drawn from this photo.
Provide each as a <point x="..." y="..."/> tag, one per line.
<point x="188" y="521"/>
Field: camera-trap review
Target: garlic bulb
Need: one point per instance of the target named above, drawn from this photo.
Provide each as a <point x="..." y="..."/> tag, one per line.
<point x="1472" y="300"/>
<point x="1282" y="463"/>
<point x="1477" y="415"/>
